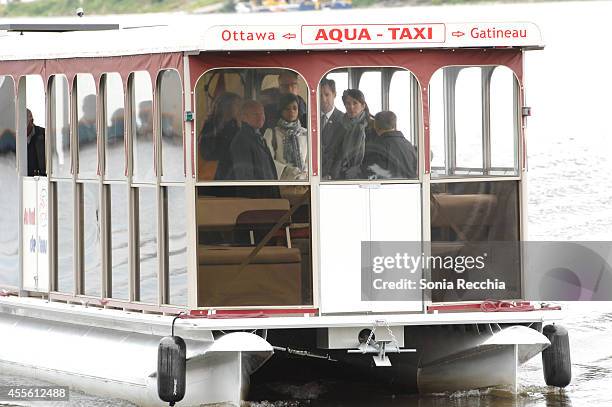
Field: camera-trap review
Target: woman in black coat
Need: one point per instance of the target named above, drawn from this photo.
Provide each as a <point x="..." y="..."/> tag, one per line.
<point x="356" y="126"/>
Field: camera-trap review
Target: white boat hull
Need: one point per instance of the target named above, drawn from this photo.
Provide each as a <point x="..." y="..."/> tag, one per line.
<point x="113" y="353"/>
<point x="475" y="359"/>
<point x="120" y="364"/>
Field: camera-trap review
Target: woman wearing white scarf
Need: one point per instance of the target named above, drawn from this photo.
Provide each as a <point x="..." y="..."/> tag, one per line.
<point x="288" y="141"/>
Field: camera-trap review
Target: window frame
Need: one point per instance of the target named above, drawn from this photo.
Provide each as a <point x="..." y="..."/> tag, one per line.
<point x="449" y="80"/>
<point x="249" y="93"/>
<point x="75" y="119"/>
<point x="163" y="245"/>
<point x="71" y="174"/>
<point x="416" y="114"/>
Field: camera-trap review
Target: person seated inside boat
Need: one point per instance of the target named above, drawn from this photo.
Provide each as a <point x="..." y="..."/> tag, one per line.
<point x="116" y="131"/>
<point x="288" y="141"/>
<point x="287" y="84"/>
<point x="220" y="128"/>
<point x="389" y="154"/>
<point x="87" y="123"/>
<point x="356" y="126"/>
<point x="8" y="143"/>
<point x="36" y="147"/>
<point x="249" y="157"/>
<point x="329" y="124"/>
<point x="145" y="120"/>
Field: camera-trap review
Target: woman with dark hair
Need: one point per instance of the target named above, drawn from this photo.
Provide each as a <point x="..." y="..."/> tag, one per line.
<point x="356" y="126"/>
<point x="219" y="128"/>
<point x="288" y="140"/>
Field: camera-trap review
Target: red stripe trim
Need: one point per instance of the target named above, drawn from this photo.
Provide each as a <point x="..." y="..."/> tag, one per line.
<point x="250" y="313"/>
<point x="487" y="306"/>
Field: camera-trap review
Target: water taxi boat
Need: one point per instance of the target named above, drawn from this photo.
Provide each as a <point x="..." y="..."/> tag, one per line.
<point x="144" y="178"/>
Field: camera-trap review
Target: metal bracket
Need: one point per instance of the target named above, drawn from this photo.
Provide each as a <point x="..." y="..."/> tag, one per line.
<point x="380" y="349"/>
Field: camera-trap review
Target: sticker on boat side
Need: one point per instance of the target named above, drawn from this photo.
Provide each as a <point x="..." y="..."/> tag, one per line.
<point x="256" y="37"/>
<point x="424" y="35"/>
<point x="493" y="34"/>
<point x="372" y="34"/>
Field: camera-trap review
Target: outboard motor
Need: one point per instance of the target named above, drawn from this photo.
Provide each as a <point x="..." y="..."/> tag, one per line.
<point x="556" y="358"/>
<point x="171" y="368"/>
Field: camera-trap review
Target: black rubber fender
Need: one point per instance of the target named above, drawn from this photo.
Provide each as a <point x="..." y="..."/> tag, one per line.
<point x="556" y="358"/>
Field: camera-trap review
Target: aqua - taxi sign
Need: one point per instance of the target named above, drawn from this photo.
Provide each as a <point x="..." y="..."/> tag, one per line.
<point x="417" y="35"/>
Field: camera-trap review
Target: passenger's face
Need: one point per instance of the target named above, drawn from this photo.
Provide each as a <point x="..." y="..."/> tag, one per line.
<point x="290" y="112"/>
<point x="254" y="116"/>
<point x="327" y="99"/>
<point x="288" y="84"/>
<point x="353" y="107"/>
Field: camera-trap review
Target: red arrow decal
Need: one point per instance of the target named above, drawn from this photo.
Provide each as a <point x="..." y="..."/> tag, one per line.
<point x="458" y="34"/>
<point x="289" y="36"/>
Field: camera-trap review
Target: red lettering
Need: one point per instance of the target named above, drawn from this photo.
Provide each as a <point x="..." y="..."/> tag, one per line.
<point x="350" y="36"/>
<point x="364" y="34"/>
<point x="335" y="35"/>
<point x="406" y="34"/>
<point x="394" y="31"/>
<point x="226" y="35"/>
<point x="321" y="35"/>
<point x="29" y="216"/>
<point x="419" y="33"/>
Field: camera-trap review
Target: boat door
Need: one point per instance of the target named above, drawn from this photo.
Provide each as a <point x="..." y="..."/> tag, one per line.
<point x="365" y="194"/>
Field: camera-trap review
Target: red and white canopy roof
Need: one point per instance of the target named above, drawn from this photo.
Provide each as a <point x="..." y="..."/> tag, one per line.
<point x="311" y="30"/>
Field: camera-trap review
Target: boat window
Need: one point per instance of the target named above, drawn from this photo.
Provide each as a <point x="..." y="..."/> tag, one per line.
<point x="64" y="241"/>
<point x="115" y="186"/>
<point x="35" y="99"/>
<point x="252" y="125"/>
<point x="34" y="122"/>
<point x="86" y="97"/>
<point x="370" y="83"/>
<point x="171" y="107"/>
<point x="146" y="209"/>
<point x="59" y="128"/>
<point x="114" y="127"/>
<point x="504" y="123"/>
<point x="254" y="246"/>
<point x="400" y="81"/>
<point x="474" y="121"/>
<point x="468" y="120"/>
<point x="341" y="80"/>
<point x="118" y="240"/>
<point x="7" y="117"/>
<point x="9" y="206"/>
<point x="91" y="248"/>
<point x="175" y="209"/>
<point x="370" y="134"/>
<point x="477" y="219"/>
<point x="141" y="94"/>
<point x="437" y="123"/>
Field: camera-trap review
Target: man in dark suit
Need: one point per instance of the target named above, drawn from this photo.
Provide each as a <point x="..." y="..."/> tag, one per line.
<point x="249" y="158"/>
<point x="330" y="128"/>
<point x="36" y="148"/>
<point x="388" y="154"/>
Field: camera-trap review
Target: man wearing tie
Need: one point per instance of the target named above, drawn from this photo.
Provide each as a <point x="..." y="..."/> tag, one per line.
<point x="330" y="128"/>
